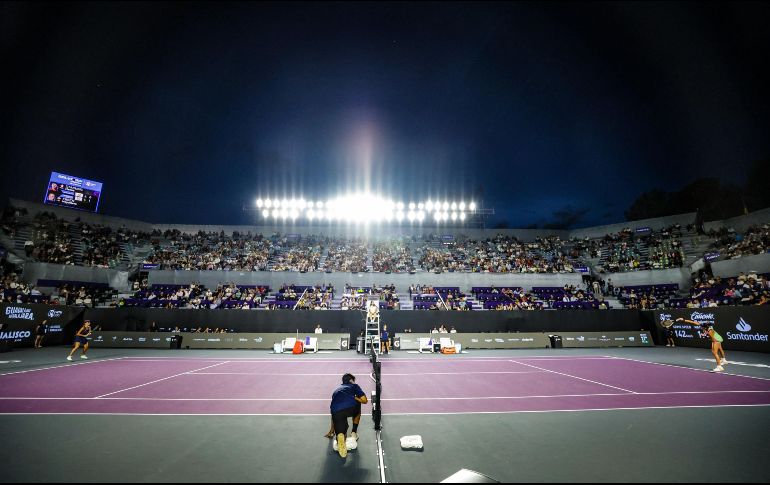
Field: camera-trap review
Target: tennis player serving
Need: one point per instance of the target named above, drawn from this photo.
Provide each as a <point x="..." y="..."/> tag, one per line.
<point x="716" y="342"/>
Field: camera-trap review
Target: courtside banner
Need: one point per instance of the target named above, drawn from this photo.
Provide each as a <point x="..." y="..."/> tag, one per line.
<point x="18" y="322"/>
<point x="605" y="339"/>
<point x="742" y="328"/>
<point x="411" y="341"/>
<point x="324" y="341"/>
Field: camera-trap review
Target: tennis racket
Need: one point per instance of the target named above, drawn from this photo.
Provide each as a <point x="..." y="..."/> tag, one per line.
<point x="667" y="323"/>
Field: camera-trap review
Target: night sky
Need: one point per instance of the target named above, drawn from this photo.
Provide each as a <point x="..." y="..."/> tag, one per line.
<point x="186" y="112"/>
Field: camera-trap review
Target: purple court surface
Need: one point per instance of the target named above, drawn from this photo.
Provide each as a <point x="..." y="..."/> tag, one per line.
<point x="302" y="386"/>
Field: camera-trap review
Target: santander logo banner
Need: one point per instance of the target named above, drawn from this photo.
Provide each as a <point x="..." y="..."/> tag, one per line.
<point x="743" y="326"/>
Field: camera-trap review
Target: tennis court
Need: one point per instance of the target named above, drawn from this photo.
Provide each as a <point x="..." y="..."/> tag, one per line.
<point x="570" y="415"/>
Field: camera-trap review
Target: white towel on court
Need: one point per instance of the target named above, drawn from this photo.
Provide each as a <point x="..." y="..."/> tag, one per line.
<point x="413" y="442"/>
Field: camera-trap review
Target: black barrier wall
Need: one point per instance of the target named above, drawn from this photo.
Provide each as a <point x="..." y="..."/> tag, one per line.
<point x="18" y="322"/>
<point x="742" y="328"/>
<point x="132" y="319"/>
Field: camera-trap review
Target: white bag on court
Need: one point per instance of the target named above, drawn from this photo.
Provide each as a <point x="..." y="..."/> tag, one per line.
<point x="413" y="442"/>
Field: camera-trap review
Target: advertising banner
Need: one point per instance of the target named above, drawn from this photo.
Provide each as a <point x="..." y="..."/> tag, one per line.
<point x="411" y="341"/>
<point x="325" y="341"/>
<point x="742" y="327"/>
<point x="606" y="339"/>
<point x="18" y="322"/>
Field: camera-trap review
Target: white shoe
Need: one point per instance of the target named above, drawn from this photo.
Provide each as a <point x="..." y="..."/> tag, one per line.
<point x="723" y="362"/>
<point x="354" y="435"/>
<point x="83" y="357"/>
<point x="718" y="368"/>
<point x="69" y="357"/>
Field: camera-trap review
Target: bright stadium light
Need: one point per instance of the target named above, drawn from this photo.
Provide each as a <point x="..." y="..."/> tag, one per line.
<point x="363" y="207"/>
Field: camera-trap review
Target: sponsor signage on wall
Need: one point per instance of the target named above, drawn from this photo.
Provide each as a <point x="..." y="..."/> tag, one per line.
<point x="743" y="328"/>
<point x="606" y="339"/>
<point x="18" y="322"/>
<point x="326" y="341"/>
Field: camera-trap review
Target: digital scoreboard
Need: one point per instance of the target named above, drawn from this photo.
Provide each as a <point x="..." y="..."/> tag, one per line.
<point x="73" y="192"/>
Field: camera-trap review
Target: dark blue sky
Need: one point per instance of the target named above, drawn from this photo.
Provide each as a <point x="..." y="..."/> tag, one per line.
<point x="188" y="111"/>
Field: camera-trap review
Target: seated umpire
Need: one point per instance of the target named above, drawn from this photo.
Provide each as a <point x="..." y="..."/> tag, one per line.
<point x="346" y="403"/>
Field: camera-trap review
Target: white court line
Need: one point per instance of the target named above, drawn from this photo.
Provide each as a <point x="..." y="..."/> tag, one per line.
<point x="257" y="361"/>
<point x="363" y="358"/>
<point x="392" y="414"/>
<point x="472" y="398"/>
<point x="158" y="380"/>
<point x="574" y="377"/>
<point x="385" y="375"/>
<point x="72" y="364"/>
<point x="697" y="370"/>
<point x="580" y="410"/>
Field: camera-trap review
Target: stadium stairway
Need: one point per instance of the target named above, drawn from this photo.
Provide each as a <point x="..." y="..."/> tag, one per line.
<point x="694" y="246"/>
<point x="74" y="231"/>
<point x="405" y="303"/>
<point x="268" y="300"/>
<point x="324" y="255"/>
<point x="369" y="257"/>
<point x="125" y="259"/>
<point x="23" y="234"/>
<point x="477" y="305"/>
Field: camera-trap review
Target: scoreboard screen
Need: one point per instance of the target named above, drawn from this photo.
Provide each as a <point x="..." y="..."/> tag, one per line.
<point x="73" y="192"/>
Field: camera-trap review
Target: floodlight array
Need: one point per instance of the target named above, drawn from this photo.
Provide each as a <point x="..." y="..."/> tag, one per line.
<point x="365" y="209"/>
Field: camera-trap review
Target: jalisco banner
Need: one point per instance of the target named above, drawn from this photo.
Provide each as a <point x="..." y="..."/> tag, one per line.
<point x="743" y="328"/>
<point x="18" y="322"/>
